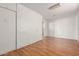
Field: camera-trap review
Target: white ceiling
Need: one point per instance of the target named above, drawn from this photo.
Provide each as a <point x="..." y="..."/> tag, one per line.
<point x="43" y="9"/>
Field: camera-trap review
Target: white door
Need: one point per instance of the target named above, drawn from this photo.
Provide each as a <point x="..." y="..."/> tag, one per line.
<point x="29" y="26"/>
<point x="7" y="30"/>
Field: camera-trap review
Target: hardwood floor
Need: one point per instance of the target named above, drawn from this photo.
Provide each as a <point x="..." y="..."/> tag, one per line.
<point x="49" y="47"/>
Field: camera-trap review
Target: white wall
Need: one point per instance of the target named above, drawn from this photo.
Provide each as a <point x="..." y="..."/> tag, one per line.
<point x="29" y="26"/>
<point x="11" y="6"/>
<point x="77" y="26"/>
<point x="7" y="30"/>
<point x="45" y="28"/>
<point x="51" y="29"/>
<point x="64" y="27"/>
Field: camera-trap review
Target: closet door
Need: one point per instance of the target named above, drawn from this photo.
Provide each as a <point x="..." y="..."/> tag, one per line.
<point x="7" y="30"/>
<point x="29" y="26"/>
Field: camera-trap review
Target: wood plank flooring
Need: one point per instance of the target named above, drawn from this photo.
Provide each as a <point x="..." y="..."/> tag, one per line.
<point x="49" y="47"/>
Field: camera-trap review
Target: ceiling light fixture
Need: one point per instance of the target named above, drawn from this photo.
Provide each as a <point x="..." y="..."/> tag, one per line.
<point x="54" y="6"/>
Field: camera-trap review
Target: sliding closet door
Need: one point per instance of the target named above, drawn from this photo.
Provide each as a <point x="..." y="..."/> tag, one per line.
<point x="29" y="26"/>
<point x="7" y="30"/>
